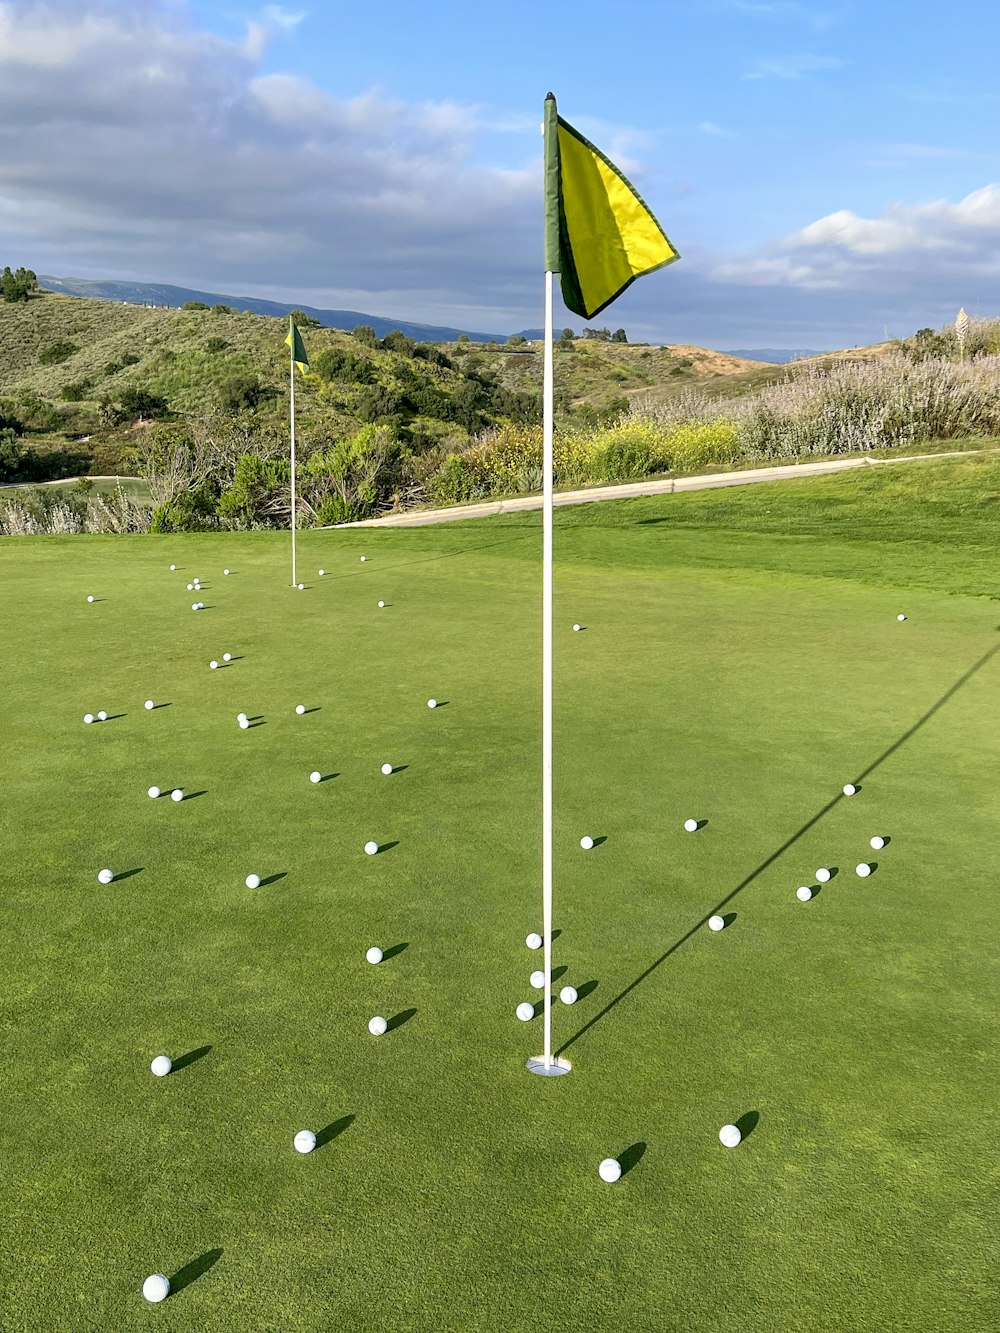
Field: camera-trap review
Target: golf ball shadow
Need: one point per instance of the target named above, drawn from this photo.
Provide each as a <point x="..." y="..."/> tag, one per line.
<point x="631" y="1157"/>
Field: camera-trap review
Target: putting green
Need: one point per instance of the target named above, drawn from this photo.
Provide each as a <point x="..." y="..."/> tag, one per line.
<point x="722" y="674"/>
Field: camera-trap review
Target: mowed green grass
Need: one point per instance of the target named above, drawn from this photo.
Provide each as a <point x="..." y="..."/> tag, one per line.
<point x="741" y="661"/>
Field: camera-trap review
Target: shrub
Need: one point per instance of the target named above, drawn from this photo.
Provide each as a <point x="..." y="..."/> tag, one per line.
<point x="57" y="352"/>
<point x="215" y="345"/>
<point x="135" y="401"/>
<point x="397" y="341"/>
<point x="75" y="390"/>
<point x="241" y="392"/>
<point x="194" y="305"/>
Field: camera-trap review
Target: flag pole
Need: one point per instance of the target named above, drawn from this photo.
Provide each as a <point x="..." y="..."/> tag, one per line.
<point x="291" y="401"/>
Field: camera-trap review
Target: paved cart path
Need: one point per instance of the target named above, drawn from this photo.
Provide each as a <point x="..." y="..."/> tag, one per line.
<point x="416" y="518"/>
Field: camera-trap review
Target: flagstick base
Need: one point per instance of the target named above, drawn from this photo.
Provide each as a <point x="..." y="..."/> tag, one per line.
<point x="536" y="1065"/>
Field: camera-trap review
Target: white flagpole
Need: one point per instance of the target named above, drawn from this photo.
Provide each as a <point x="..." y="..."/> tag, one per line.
<point x="546" y="1063"/>
<point x="291" y="382"/>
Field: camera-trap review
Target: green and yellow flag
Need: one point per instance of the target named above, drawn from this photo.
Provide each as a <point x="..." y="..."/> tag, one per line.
<point x="294" y="340"/>
<point x="599" y="234"/>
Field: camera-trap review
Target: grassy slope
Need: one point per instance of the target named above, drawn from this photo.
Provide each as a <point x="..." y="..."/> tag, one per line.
<point x="741" y="660"/>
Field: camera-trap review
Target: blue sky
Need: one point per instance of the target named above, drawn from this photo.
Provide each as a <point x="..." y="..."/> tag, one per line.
<point x="828" y="171"/>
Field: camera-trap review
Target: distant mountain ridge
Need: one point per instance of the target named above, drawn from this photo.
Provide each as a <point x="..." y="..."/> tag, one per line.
<point x="777" y="356"/>
<point x="163" y="294"/>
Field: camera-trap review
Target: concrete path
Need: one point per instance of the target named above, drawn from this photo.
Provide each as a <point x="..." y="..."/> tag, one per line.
<point x="415" y="518"/>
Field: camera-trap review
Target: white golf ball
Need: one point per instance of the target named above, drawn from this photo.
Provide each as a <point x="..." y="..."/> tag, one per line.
<point x="533" y="941"/>
<point x="154" y="792"/>
<point x="102" y="716"/>
<point x="822" y="875"/>
<point x="173" y="566"/>
<point x="252" y="881"/>
<point x="525" y="1011"/>
<point x="432" y="703"/>
<point x="322" y="572"/>
<point x="877" y="842"/>
<point x="586" y="842"/>
<point x="729" y="1136"/>
<point x="900" y="616"/>
<point x="576" y="629"/>
<point x="105" y="876"/>
<point x="305" y="1141"/>
<point x="225" y="571"/>
<point x="242" y="717"/>
<point x="371" y="848"/>
<point x="194" y="606"/>
<point x="201" y="606"/>
<point x="244" y="723"/>
<point x="610" y="1170"/>
<point x="387" y="769"/>
<point x="156" y="1288"/>
<point x="214" y="665"/>
<point x="301" y="587"/>
<point x="316" y="776"/>
<point x="90" y="599"/>
<point x="161" y="1065"/>
<point x="300" y="709"/>
<point x="568" y="995"/>
<point x="381" y="603"/>
<point x="691" y="825"/>
<point x="537" y="980"/>
<point x="377" y="1026"/>
<point x="804" y="894"/>
<point x="863" y="870"/>
<point x="190" y="587"/>
<point x="149" y="705"/>
<point x="88" y="718"/>
<point x="177" y="794"/>
<point x="374" y="954"/>
<point x="227" y="657"/>
<point x="363" y="559"/>
<point x="716" y="923"/>
<point x="849" y="789"/>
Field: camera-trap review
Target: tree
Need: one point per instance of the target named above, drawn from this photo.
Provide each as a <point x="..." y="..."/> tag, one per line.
<point x="223" y="310"/>
<point x="305" y="321"/>
<point x="365" y="334"/>
<point x="515" y="340"/>
<point x="16" y="286"/>
<point x="619" y="336"/>
<point x="598" y="335"/>
<point x="345" y="480"/>
<point x="567" y="336"/>
<point x="396" y="341"/>
<point x="136" y="401"/>
<point x="241" y="392"/>
<point x="194" y="305"/>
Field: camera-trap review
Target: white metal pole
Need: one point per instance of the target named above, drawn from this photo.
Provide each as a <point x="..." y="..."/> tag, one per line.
<point x="291" y="381"/>
<point x="547" y="432"/>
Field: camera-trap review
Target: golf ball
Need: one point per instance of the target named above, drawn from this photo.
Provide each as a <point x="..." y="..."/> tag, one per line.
<point x="576" y="629"/>
<point x="300" y="709"/>
<point x="88" y="718"/>
<point x="305" y="1141"/>
<point x="900" y="616"/>
<point x="149" y="705"/>
<point x="716" y="923"/>
<point x="156" y="1288"/>
<point x="691" y="825"/>
<point x="371" y="848"/>
<point x="242" y="717"/>
<point x="244" y="723"/>
<point x="849" y="789"/>
<point x="525" y="1011"/>
<point x="374" y="954"/>
<point x="322" y="572"/>
<point x="363" y="559"/>
<point x="822" y="875"/>
<point x="173" y="566"/>
<point x="610" y="1170"/>
<point x="105" y="876"/>
<point x="301" y="587"/>
<point x="381" y="603"/>
<point x="227" y="657"/>
<point x="177" y="794"/>
<point x="90" y="599"/>
<point x="586" y="842"/>
<point x="225" y="571"/>
<point x="377" y="1026"/>
<point x="252" y="881"/>
<point x="194" y="606"/>
<point x="533" y="941"/>
<point x="102" y="716"/>
<point x="154" y="792"/>
<point x="804" y="894"/>
<point x="877" y="842"/>
<point x="190" y="587"/>
<point x="863" y="870"/>
<point x="201" y="605"/>
<point x="537" y="980"/>
<point x="432" y="703"/>
<point x="729" y="1136"/>
<point x="161" y="1066"/>
<point x="214" y="665"/>
<point x="568" y="995"/>
<point x="316" y="776"/>
<point x="387" y="769"/>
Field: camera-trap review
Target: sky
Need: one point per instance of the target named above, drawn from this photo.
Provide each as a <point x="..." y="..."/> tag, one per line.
<point x="830" y="172"/>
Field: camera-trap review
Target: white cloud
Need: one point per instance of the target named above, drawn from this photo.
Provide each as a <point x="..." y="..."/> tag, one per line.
<point x="792" y="67"/>
<point x="276" y="16"/>
<point x="716" y="131"/>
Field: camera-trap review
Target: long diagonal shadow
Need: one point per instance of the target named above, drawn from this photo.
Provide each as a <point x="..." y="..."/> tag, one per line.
<point x="789" y="842"/>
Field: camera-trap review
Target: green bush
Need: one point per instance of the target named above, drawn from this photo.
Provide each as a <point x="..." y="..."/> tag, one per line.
<point x="75" y="391"/>
<point x="57" y="352"/>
